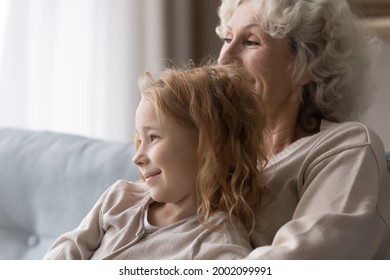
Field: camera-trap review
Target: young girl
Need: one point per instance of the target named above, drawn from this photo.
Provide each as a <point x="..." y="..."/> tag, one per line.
<point x="199" y="139"/>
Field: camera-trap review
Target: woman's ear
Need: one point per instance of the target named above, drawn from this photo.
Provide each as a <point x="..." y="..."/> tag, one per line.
<point x="305" y="78"/>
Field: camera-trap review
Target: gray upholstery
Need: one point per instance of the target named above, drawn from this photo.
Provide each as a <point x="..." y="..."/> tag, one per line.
<point x="48" y="182"/>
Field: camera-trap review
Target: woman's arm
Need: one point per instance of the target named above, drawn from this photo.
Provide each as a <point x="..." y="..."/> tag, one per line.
<point x="342" y="210"/>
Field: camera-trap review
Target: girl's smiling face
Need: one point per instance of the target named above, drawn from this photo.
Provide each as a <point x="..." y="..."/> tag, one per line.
<point x="166" y="157"/>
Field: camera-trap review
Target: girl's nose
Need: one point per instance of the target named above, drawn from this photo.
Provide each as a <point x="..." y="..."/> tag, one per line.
<point x="139" y="158"/>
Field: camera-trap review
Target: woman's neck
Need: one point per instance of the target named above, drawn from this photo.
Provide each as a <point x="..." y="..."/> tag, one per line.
<point x="282" y="134"/>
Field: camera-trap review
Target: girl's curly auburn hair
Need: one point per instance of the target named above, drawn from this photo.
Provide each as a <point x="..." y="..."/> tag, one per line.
<point x="228" y="118"/>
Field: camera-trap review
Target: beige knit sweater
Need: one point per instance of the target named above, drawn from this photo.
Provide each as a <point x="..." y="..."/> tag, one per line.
<point x="114" y="229"/>
<point x="332" y="198"/>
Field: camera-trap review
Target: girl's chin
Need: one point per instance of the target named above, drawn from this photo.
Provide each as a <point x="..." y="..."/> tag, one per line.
<point x="156" y="197"/>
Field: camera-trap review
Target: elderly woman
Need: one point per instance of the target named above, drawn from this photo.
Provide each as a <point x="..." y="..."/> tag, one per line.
<point x="308" y="60"/>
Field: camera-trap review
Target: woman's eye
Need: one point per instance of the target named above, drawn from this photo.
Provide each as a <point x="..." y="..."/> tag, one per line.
<point x="227" y="40"/>
<point x="251" y="43"/>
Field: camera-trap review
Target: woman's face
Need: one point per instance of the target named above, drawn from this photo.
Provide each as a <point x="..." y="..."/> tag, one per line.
<point x="267" y="60"/>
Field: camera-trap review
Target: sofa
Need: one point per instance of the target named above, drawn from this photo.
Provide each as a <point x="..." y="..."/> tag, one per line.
<point x="49" y="181"/>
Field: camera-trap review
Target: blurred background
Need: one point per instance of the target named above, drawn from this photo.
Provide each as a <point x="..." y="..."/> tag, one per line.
<point x="72" y="65"/>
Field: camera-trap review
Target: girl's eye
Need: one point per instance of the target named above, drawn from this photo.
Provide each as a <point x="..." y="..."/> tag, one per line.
<point x="137" y="141"/>
<point x="153" y="137"/>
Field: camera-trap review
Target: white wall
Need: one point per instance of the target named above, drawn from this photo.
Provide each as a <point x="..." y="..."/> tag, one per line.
<point x="378" y="115"/>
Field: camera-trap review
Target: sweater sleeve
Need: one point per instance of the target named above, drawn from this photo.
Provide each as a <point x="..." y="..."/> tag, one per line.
<point x="81" y="243"/>
<point x="341" y="211"/>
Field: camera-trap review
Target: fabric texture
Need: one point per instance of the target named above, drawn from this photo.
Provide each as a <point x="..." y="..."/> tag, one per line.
<point x="48" y="183"/>
<point x="114" y="229"/>
<point x="332" y="198"/>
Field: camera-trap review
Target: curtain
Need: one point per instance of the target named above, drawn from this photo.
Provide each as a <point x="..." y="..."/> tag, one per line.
<point x="72" y="65"/>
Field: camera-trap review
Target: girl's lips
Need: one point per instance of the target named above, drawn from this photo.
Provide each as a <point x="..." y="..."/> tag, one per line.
<point x="151" y="176"/>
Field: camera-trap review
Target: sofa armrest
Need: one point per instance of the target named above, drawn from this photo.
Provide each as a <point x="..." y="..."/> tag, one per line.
<point x="49" y="181"/>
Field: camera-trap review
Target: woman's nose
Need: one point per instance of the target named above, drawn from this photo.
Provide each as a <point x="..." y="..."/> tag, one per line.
<point x="229" y="54"/>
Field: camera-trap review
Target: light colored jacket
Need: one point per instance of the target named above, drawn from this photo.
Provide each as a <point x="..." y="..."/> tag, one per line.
<point x="332" y="198"/>
<point x="114" y="229"/>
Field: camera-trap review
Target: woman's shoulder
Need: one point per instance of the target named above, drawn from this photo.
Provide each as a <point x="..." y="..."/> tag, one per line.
<point x="338" y="137"/>
<point x="347" y="142"/>
<point x="332" y="139"/>
<point x="355" y="133"/>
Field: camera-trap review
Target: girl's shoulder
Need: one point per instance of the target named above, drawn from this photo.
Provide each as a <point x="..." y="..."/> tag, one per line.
<point x="126" y="193"/>
<point x="130" y="187"/>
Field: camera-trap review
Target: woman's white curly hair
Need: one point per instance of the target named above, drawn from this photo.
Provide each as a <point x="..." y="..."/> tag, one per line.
<point x="329" y="44"/>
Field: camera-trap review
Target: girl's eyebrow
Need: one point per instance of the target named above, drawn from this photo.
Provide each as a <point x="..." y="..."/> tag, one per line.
<point x="148" y="127"/>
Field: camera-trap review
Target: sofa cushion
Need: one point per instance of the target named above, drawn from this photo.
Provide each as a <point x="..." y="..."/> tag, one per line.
<point x="49" y="181"/>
